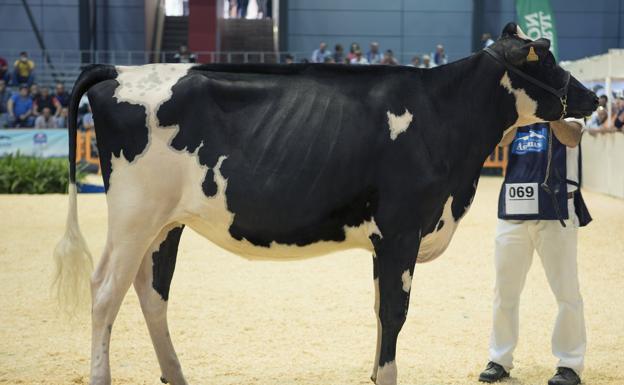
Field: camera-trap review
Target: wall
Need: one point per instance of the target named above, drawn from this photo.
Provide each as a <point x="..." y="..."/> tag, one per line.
<point x="603" y="156"/>
<point x="57" y="20"/>
<point x="409" y="26"/>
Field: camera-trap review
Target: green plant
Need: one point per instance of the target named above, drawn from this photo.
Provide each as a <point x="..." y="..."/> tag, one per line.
<point x="29" y="175"/>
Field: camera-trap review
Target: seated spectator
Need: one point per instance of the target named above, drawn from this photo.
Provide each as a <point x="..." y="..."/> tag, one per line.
<point x="61" y="119"/>
<point x="20" y="109"/>
<point x="329" y="60"/>
<point x="389" y="58"/>
<point x="486" y="39"/>
<point x="45" y="100"/>
<point x="23" y="70"/>
<point x="439" y="57"/>
<point x="61" y="95"/>
<point x="45" y="120"/>
<point x="4" y="70"/>
<point x="339" y="56"/>
<point x="354" y="48"/>
<point x="359" y="58"/>
<point x="184" y="55"/>
<point x="598" y="123"/>
<point x="602" y="101"/>
<point x="87" y="120"/>
<point x="289" y="59"/>
<point x="319" y="54"/>
<point x="34" y="90"/>
<point x="415" y="62"/>
<point x="426" y="62"/>
<point x="5" y="95"/>
<point x="374" y="56"/>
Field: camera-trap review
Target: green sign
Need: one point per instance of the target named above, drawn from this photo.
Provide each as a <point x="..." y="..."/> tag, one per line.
<point x="536" y="19"/>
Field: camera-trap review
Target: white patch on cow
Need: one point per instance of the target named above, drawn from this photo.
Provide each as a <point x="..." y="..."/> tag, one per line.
<point x="433" y="244"/>
<point x="526" y="107"/>
<point x="398" y="123"/>
<point x="406" y="278"/>
<point x="387" y="374"/>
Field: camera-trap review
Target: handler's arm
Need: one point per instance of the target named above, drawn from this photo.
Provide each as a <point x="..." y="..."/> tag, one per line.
<point x="568" y="133"/>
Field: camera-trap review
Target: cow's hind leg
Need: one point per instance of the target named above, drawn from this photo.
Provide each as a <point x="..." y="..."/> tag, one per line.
<point x="127" y="243"/>
<point x="393" y="269"/>
<point x="152" y="286"/>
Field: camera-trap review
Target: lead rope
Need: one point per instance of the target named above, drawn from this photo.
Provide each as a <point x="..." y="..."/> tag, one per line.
<point x="545" y="185"/>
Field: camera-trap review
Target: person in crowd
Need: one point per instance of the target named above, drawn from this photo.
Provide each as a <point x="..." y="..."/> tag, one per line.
<point x="352" y="50"/>
<point x="374" y="56"/>
<point x="45" y="120"/>
<point x="45" y="100"/>
<point x="242" y="8"/>
<point x="4" y="70"/>
<point x="338" y="55"/>
<point x="487" y="40"/>
<point x="23" y="69"/>
<point x="439" y="57"/>
<point x="61" y="119"/>
<point x="319" y="54"/>
<point x="603" y="100"/>
<point x="87" y="120"/>
<point x="184" y="55"/>
<point x="618" y="115"/>
<point x="61" y="95"/>
<point x="359" y="58"/>
<point x="262" y="9"/>
<point x="5" y="95"/>
<point x="599" y="122"/>
<point x="34" y="90"/>
<point x="289" y="59"/>
<point x="530" y="219"/>
<point x="426" y="62"/>
<point x="329" y="60"/>
<point x="415" y="62"/>
<point x="389" y="59"/>
<point x="20" y="109"/>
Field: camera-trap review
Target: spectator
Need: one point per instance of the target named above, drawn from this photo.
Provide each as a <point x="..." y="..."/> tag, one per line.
<point x="319" y="55"/>
<point x="34" y="90"/>
<point x="426" y="62"/>
<point x="4" y="70"/>
<point x="20" y="109"/>
<point x="289" y="59"/>
<point x="354" y="48"/>
<point x="23" y="70"/>
<point x="330" y="60"/>
<point x="339" y="54"/>
<point x="45" y="100"/>
<point x="5" y="95"/>
<point x="359" y="58"/>
<point x="374" y="56"/>
<point x="602" y="101"/>
<point x="184" y="55"/>
<point x="389" y="58"/>
<point x="242" y="8"/>
<point x="61" y="95"/>
<point x="486" y="38"/>
<point x="618" y="116"/>
<point x="439" y="57"/>
<point x="61" y="119"/>
<point x="45" y="120"/>
<point x="262" y="10"/>
<point x="87" y="120"/>
<point x="415" y="62"/>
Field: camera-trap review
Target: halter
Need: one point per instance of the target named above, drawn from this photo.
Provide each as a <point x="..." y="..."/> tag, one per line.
<point x="561" y="94"/>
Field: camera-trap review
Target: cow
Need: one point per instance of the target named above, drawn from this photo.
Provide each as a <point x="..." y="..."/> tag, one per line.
<point x="294" y="161"/>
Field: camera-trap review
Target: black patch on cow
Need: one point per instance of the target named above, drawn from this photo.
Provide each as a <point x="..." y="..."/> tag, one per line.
<point x="120" y="126"/>
<point x="440" y="225"/>
<point x="164" y="260"/>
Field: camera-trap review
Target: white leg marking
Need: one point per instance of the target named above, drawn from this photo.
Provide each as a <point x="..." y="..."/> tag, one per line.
<point x="398" y="123"/>
<point x="379" y="329"/>
<point x="406" y="278"/>
<point x="387" y="374"/>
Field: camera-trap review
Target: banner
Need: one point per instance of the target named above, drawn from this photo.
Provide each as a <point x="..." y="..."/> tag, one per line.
<point x="536" y="19"/>
<point x="48" y="143"/>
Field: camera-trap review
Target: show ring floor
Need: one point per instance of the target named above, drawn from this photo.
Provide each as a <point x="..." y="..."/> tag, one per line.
<point x="306" y="322"/>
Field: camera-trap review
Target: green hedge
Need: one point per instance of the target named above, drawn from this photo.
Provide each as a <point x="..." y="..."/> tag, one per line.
<point x="29" y="175"/>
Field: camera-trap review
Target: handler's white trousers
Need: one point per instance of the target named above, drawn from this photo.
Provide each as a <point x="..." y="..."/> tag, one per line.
<point x="556" y="246"/>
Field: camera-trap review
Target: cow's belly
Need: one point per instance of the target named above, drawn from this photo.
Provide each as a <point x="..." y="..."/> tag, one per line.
<point x="433" y="244"/>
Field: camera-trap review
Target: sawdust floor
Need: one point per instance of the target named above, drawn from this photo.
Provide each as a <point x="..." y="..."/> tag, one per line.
<point x="306" y="322"/>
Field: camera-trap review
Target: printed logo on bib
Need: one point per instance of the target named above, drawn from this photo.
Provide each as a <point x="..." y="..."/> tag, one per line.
<point x="521" y="199"/>
<point x="532" y="141"/>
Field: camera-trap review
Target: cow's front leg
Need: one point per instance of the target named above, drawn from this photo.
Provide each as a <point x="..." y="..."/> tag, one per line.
<point x="393" y="268"/>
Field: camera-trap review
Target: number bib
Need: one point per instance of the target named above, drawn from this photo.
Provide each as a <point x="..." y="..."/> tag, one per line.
<point x="521" y="199"/>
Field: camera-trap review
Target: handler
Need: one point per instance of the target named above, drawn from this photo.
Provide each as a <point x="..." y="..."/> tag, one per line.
<point x="532" y="219"/>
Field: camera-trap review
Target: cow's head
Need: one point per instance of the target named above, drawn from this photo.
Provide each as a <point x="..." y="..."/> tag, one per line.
<point x="543" y="90"/>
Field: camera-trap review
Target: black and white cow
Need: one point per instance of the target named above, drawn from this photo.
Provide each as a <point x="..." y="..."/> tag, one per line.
<point x="285" y="162"/>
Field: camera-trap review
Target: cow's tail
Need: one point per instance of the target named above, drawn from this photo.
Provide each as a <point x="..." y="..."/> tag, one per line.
<point x="73" y="261"/>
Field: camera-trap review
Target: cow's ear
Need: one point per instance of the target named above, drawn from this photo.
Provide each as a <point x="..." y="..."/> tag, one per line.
<point x="533" y="51"/>
<point x="510" y="29"/>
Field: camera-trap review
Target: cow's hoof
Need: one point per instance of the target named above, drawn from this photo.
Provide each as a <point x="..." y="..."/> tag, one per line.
<point x="164" y="380"/>
<point x="372" y="378"/>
